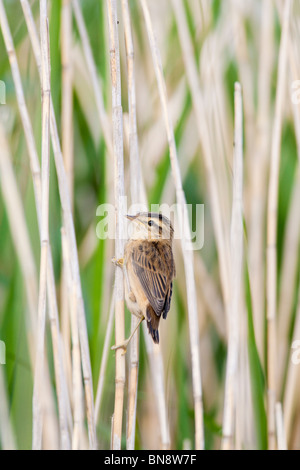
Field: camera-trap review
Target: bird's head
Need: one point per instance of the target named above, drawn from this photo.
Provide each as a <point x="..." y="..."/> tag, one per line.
<point x="150" y="226"/>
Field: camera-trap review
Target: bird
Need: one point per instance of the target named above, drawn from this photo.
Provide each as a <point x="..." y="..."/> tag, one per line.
<point x="149" y="270"/>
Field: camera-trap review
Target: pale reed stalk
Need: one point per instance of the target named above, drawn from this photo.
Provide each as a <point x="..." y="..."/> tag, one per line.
<point x="292" y="233"/>
<point x="220" y="128"/>
<point x="258" y="174"/>
<point x="104" y="357"/>
<point x="289" y="274"/>
<point x="244" y="68"/>
<point x="67" y="149"/>
<point x="106" y="130"/>
<point x="19" y="232"/>
<point x="70" y="236"/>
<point x="184" y="221"/>
<point x="36" y="176"/>
<point x="272" y="227"/>
<point x="37" y="400"/>
<point x="135" y="199"/>
<point x="157" y="377"/>
<point x="154" y="356"/>
<point x="30" y="142"/>
<point x="7" y="437"/>
<point x="119" y="227"/>
<point x="106" y="133"/>
<point x="211" y="297"/>
<point x="291" y="392"/>
<point x="96" y="84"/>
<point x="288" y="278"/>
<point x="77" y="389"/>
<point x="71" y="239"/>
<point x="280" y="430"/>
<point x="230" y="405"/>
<point x="66" y="94"/>
<point x="138" y="198"/>
<point x="220" y="229"/>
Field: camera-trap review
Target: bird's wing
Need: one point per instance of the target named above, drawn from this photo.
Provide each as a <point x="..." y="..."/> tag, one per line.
<point x="154" y="266"/>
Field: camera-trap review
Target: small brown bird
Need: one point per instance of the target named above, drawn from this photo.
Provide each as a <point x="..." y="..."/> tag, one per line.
<point x="148" y="270"/>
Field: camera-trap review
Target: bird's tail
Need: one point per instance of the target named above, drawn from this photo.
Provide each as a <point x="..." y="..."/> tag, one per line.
<point x="152" y="323"/>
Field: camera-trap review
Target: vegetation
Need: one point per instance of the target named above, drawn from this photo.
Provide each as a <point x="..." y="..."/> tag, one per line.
<point x="197" y="101"/>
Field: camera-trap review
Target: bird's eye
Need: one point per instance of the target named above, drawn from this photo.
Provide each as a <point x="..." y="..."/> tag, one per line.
<point x="150" y="223"/>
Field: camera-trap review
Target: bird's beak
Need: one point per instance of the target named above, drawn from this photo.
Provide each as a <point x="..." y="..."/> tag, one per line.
<point x="131" y="217"/>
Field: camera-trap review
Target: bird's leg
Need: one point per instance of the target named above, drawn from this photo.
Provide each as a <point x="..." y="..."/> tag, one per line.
<point x="120" y="262"/>
<point x="137" y="315"/>
<point x="125" y="343"/>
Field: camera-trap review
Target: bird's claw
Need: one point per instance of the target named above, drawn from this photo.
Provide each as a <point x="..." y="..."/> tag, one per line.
<point x="118" y="262"/>
<point x="121" y="346"/>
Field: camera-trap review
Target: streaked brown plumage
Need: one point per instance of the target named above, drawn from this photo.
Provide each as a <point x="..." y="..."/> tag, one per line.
<point x="149" y="270"/>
